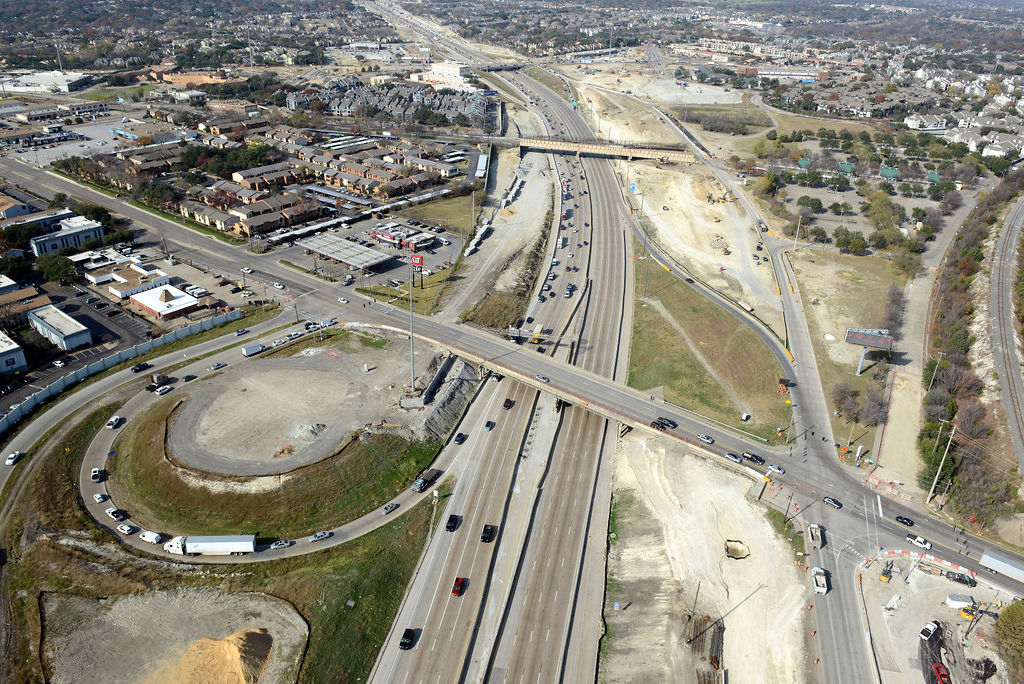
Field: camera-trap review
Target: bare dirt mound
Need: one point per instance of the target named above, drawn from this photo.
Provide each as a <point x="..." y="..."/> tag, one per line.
<point x="240" y="658"/>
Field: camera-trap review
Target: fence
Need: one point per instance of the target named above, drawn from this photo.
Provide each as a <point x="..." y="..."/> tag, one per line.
<point x="62" y="383"/>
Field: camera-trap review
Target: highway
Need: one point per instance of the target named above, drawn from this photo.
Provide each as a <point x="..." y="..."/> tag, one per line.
<point x="593" y="385"/>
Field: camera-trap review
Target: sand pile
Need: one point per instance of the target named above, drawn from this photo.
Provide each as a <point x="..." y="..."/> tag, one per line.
<point x="239" y="658"/>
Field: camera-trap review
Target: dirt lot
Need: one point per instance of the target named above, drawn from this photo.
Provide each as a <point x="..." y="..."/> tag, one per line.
<point x="184" y="636"/>
<point x="306" y="405"/>
<point x="646" y="86"/>
<point x="895" y="632"/>
<point x="670" y="535"/>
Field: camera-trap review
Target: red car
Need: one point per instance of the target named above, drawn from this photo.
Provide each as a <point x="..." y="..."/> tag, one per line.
<point x="460" y="586"/>
<point x="941" y="673"/>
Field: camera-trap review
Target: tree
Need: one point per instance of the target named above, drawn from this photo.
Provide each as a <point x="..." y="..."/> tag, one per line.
<point x="841" y="394"/>
<point x="818" y="234"/>
<point x="887" y="188"/>
<point x="1010" y="630"/>
<point x="55" y="268"/>
<point x="872" y="411"/>
<point x="772" y="134"/>
<point x="59" y="201"/>
<point x="15" y="269"/>
<point x="812" y="203"/>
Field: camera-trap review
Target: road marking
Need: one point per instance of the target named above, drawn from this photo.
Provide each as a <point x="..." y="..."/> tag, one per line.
<point x="880" y="515"/>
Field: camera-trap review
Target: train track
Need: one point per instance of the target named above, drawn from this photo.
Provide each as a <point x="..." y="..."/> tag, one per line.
<point x="1005" y="329"/>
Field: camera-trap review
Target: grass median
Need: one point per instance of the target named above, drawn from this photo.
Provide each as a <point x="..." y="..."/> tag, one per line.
<point x="363" y="474"/>
<point x="700" y="356"/>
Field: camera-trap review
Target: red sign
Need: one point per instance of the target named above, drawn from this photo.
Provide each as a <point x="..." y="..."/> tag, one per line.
<point x="416" y="260"/>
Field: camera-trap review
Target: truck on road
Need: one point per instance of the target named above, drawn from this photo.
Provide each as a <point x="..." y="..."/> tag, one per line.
<point x="816" y="534"/>
<point x="538" y="333"/>
<point x="222" y="545"/>
<point x="252" y="349"/>
<point x="820" y="580"/>
<point x="425" y="479"/>
<point x="1002" y="565"/>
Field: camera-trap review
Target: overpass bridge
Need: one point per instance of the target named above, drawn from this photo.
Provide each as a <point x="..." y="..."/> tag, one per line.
<point x="600" y="148"/>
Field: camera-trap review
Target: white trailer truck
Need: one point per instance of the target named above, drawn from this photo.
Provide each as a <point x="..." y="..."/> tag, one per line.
<point x="820" y="580"/>
<point x="224" y="545"/>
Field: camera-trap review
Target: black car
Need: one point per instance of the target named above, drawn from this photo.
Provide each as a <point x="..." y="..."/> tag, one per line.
<point x="753" y="458"/>
<point x="657" y="425"/>
<point x="904" y="520"/>
<point x="408" y="639"/>
<point x="489" y="533"/>
<point x="188" y="378"/>
<point x="460" y="438"/>
<point x="508" y="404"/>
<point x="962" y="578"/>
<point x="452" y="524"/>
<point x="139" y="367"/>
<point x="668" y="421"/>
<point x="834" y="503"/>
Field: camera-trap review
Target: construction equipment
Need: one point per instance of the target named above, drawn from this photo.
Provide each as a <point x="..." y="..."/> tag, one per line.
<point x="886" y="571"/>
<point x="725" y="251"/>
<point x="727" y="196"/>
<point x="716" y="219"/>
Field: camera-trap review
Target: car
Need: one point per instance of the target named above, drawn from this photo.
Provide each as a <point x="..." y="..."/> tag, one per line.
<point x="920" y="541"/>
<point x="139" y="367"/>
<point x="460" y="438"/>
<point x="164" y="390"/>
<point x="58" y="363"/>
<point x="460" y="586"/>
<point x="834" y="503"/>
<point x="571" y="255"/>
<point x="188" y="378"/>
<point x="753" y="458"/>
<point x="705" y="438"/>
<point x="279" y="286"/>
<point x="388" y="508"/>
<point x="126" y="529"/>
<point x="452" y="524"/>
<point x="90" y="300"/>
<point x="941" y="673"/>
<point x="279" y="342"/>
<point x="151" y="537"/>
<point x="217" y="366"/>
<point x="100" y="306"/>
<point x="246" y="270"/>
<point x="96" y="475"/>
<point x="13" y="458"/>
<point x="241" y="331"/>
<point x="280" y="544"/>
<point x="319" y="536"/>
<point x="489" y="533"/>
<point x="657" y="425"/>
<point x="235" y="290"/>
<point x="342" y="300"/>
<point x="543" y="378"/>
<point x="962" y="578"/>
<point x="408" y="639"/>
<point x="78" y="293"/>
<point x="904" y="520"/>
<point x="508" y="404"/>
<point x="115" y="514"/>
<point x="688" y="280"/>
<point x="668" y="421"/>
<point x="776" y="469"/>
<point x="733" y="457"/>
<point x="929" y="630"/>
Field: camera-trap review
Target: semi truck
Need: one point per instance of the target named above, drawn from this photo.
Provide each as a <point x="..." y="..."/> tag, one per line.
<point x="222" y="545"/>
<point x="425" y="479"/>
<point x="1002" y="565"/>
<point x="538" y="333"/>
<point x="820" y="580"/>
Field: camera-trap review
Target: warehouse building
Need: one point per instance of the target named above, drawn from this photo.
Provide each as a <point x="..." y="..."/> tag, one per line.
<point x="61" y="329"/>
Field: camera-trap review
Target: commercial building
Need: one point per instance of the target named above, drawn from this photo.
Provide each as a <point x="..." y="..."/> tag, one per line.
<point x="73" y="232"/>
<point x="12" y="356"/>
<point x="12" y="208"/>
<point x="61" y="329"/>
<point x="128" y="278"/>
<point x="42" y="219"/>
<point x="165" y="302"/>
<point x="46" y="82"/>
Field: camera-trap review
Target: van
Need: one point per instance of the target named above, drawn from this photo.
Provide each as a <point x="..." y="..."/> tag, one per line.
<point x="151" y="537"/>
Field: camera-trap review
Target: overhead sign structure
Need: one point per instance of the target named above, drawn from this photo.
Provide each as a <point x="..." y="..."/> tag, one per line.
<point x="867" y="338"/>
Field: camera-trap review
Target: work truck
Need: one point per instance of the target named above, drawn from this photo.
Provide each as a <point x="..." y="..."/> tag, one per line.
<point x="820" y="580"/>
<point x="426" y="478"/>
<point x="816" y="534"/>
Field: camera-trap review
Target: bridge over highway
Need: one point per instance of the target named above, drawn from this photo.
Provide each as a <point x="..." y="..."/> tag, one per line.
<point x="608" y="149"/>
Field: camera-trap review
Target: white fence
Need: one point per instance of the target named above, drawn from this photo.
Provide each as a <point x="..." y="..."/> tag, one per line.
<point x="62" y="383"/>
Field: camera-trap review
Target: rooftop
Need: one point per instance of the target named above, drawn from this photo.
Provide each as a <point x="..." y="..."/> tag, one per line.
<point x="6" y="343"/>
<point x="58" y="320"/>
<point x="164" y="299"/>
<point x="345" y="251"/>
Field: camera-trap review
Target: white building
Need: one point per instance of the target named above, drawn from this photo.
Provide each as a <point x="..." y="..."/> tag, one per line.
<point x="165" y="302"/>
<point x="12" y="356"/>
<point x="128" y="279"/>
<point x="73" y="232"/>
<point x="61" y="329"/>
<point x="46" y="82"/>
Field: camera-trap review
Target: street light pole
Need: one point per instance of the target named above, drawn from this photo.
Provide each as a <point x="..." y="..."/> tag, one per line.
<point x="412" y="353"/>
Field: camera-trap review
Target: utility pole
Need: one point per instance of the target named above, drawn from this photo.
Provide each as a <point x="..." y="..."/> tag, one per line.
<point x="941" y="354"/>
<point x="936" y="445"/>
<point x="412" y="353"/>
<point x="795" y="237"/>
<point x="941" y="463"/>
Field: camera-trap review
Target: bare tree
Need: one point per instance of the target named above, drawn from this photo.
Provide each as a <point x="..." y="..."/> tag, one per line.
<point x="970" y="416"/>
<point x="872" y="412"/>
<point x="841" y="394"/>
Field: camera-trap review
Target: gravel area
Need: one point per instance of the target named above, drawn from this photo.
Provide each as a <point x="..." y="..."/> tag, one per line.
<point x="270" y="415"/>
<point x="186" y="636"/>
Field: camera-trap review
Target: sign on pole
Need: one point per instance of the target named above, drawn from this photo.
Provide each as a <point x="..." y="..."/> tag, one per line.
<point x="416" y="260"/>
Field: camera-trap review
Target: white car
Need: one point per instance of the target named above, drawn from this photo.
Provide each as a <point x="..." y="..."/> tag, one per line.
<point x="99" y="498"/>
<point x="164" y="390"/>
<point x="278" y="343"/>
<point x="12" y="458"/>
<point x="279" y="286"/>
<point x="280" y="544"/>
<point x="115" y="514"/>
<point x="919" y="541"/>
<point x="928" y="630"/>
<point x="113" y="422"/>
<point x="58" y="363"/>
<point x="126" y="529"/>
<point x="246" y="270"/>
<point x="776" y="469"/>
<point x="543" y="378"/>
<point x="705" y="438"/>
<point x="319" y="536"/>
<point x="342" y="300"/>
